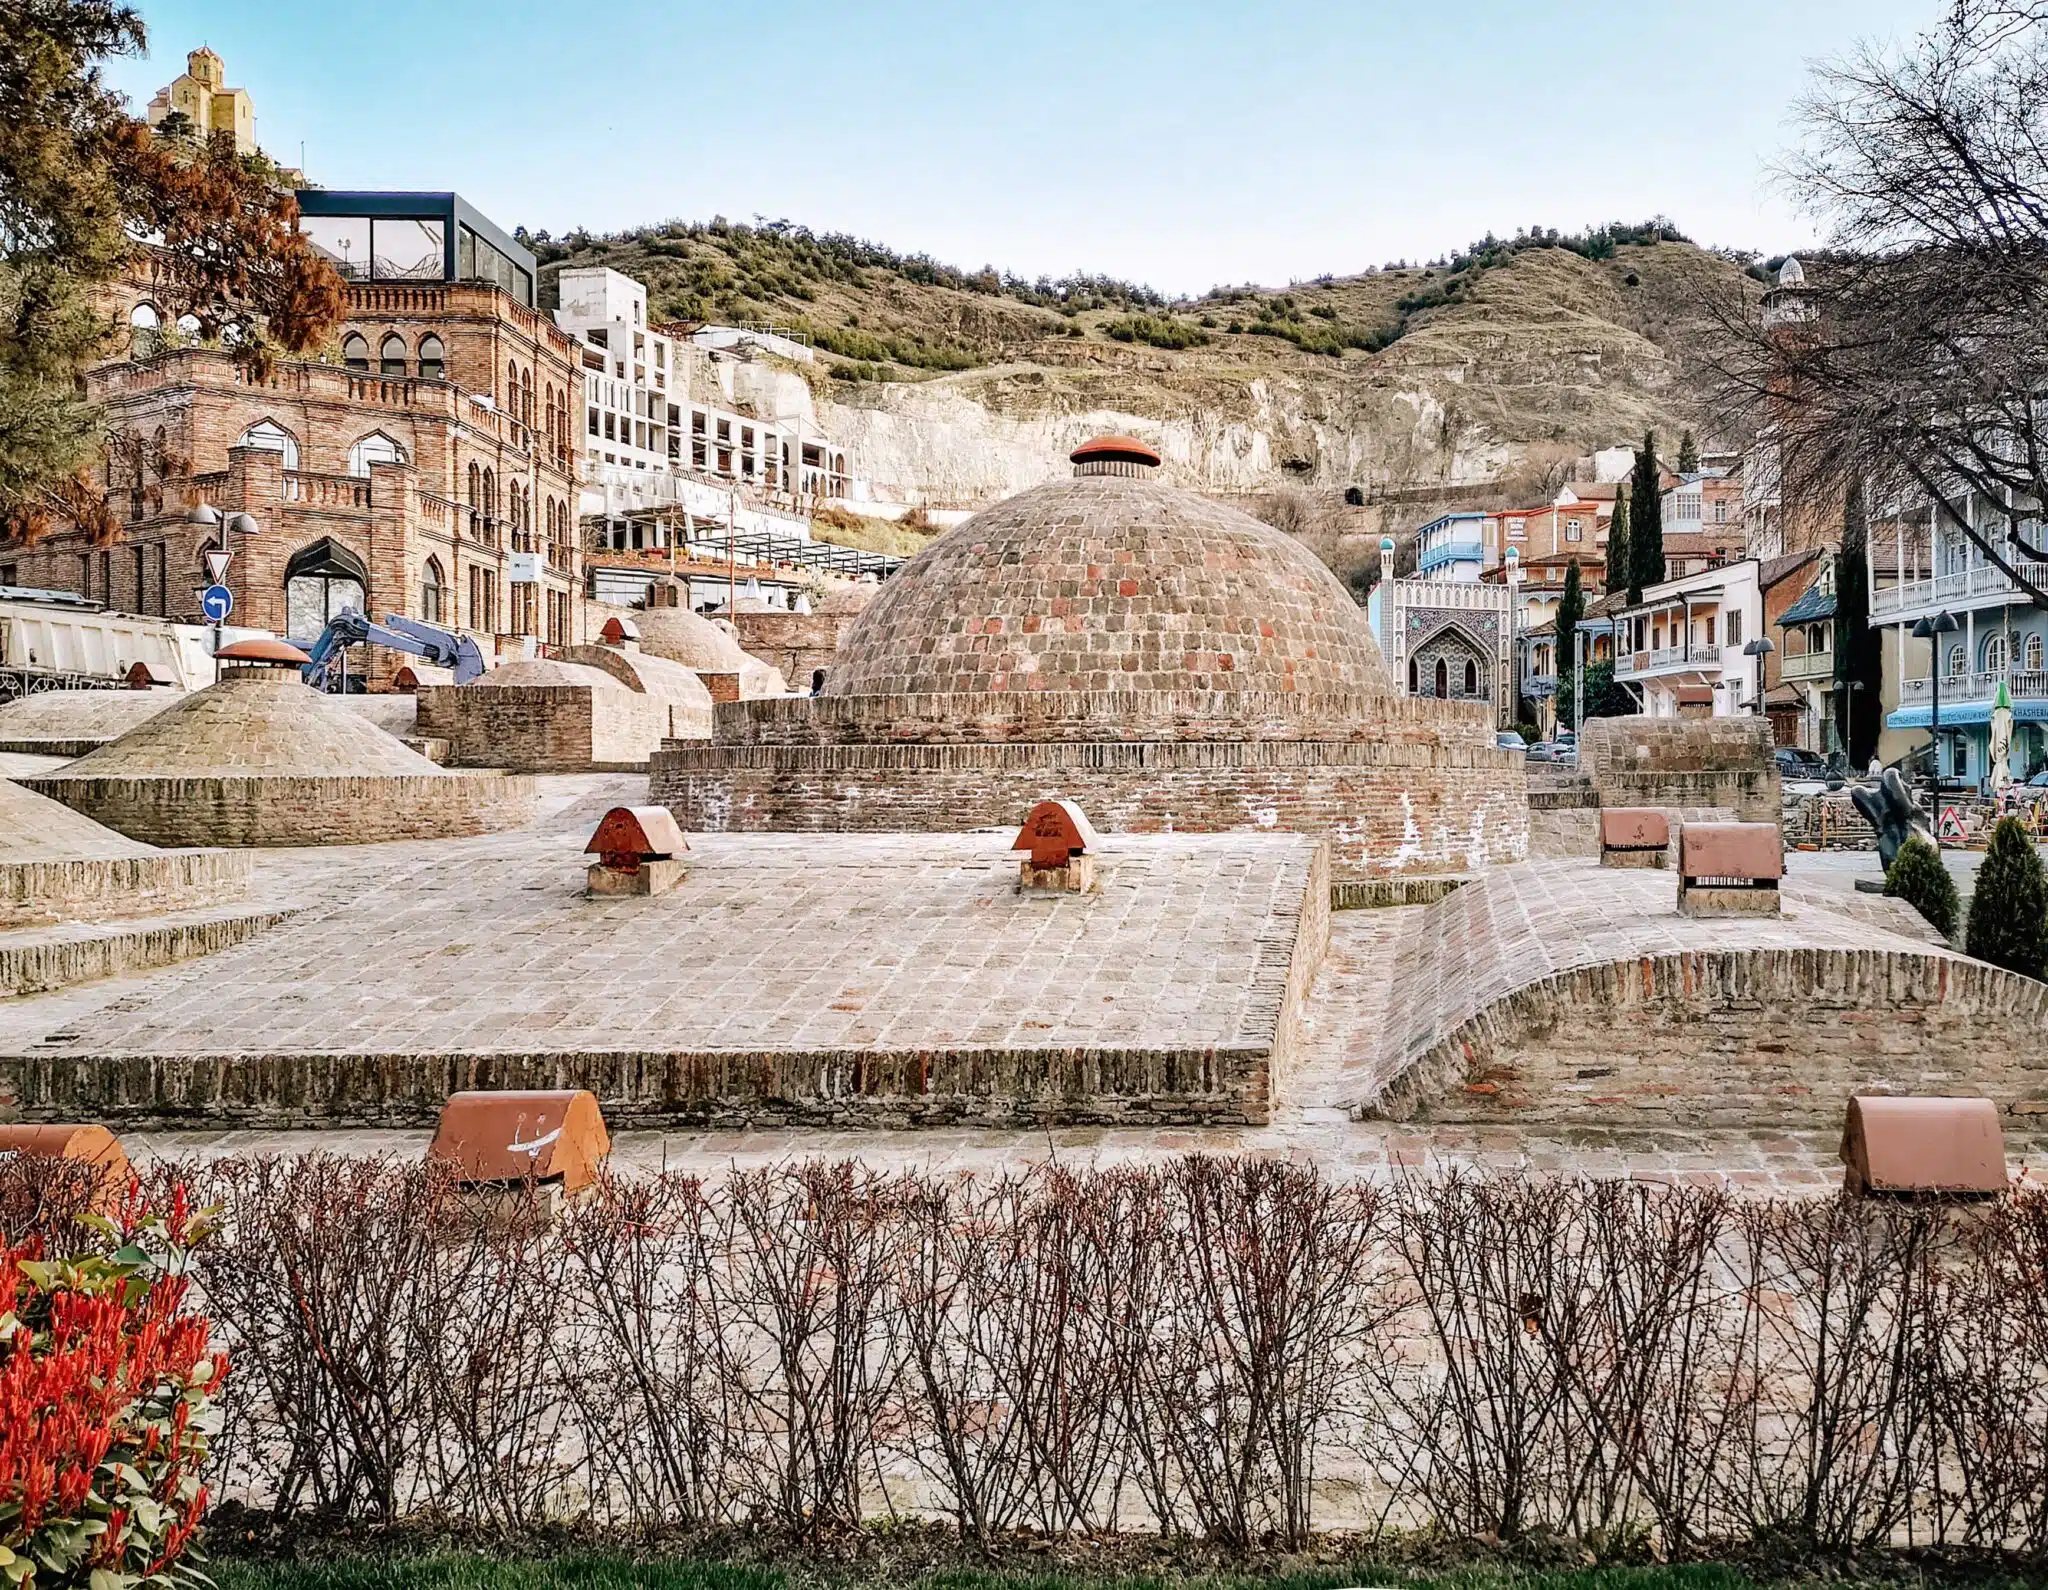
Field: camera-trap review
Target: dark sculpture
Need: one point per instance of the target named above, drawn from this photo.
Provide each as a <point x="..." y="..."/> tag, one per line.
<point x="1890" y="810"/>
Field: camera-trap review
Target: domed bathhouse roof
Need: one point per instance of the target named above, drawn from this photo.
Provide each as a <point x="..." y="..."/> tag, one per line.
<point x="705" y="647"/>
<point x="1163" y="659"/>
<point x="73" y="722"/>
<point x="1109" y="583"/>
<point x="544" y="671"/>
<point x="262" y="759"/>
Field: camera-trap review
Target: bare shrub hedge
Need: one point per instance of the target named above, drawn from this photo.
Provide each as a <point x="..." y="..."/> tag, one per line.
<point x="1237" y="1350"/>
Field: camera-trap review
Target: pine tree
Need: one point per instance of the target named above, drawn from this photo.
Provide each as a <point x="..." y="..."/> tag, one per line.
<point x="1646" y="521"/>
<point x="2009" y="910"/>
<point x="1859" y="649"/>
<point x="1918" y="877"/>
<point x="1617" y="545"/>
<point x="1688" y="454"/>
<point x="1571" y="608"/>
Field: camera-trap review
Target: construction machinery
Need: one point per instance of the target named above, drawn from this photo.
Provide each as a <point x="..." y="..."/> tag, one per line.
<point x="441" y="647"/>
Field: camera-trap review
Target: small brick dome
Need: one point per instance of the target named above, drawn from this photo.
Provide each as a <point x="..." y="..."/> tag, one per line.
<point x="1106" y="583"/>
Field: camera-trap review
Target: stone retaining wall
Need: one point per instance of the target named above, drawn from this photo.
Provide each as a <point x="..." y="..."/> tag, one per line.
<point x="1384" y="806"/>
<point x="1696" y="762"/>
<point x="119" y="886"/>
<point x="1742" y="1038"/>
<point x="39" y="962"/>
<point x="180" y="812"/>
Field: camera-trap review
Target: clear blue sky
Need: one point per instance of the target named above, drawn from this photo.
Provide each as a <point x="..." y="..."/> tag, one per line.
<point x="1180" y="145"/>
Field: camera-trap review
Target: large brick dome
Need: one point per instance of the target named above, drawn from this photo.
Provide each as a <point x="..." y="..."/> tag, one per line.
<point x="1108" y="583"/>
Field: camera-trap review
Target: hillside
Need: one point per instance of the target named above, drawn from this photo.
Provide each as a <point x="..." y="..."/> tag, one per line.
<point x="1482" y="377"/>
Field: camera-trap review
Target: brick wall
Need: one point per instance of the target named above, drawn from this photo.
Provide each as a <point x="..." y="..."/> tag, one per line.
<point x="1384" y="806"/>
<point x="1098" y="716"/>
<point x="796" y="643"/>
<point x="543" y="728"/>
<point x="1737" y="1038"/>
<point x="295" y="811"/>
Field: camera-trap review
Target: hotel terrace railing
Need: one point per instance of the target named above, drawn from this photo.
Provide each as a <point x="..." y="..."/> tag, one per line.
<point x="1442" y="552"/>
<point x="1474" y="595"/>
<point x="2020" y="684"/>
<point x="1944" y="590"/>
<point x="1659" y="658"/>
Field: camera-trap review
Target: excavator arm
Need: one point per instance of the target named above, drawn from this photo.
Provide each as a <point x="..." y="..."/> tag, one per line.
<point x="443" y="648"/>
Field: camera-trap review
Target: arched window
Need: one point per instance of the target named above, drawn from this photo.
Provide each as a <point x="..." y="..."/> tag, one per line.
<point x="146" y="330"/>
<point x="475" y="485"/>
<point x="1414" y="679"/>
<point x="1955" y="661"/>
<point x="490" y="495"/>
<point x="430" y="591"/>
<point x="1997" y="653"/>
<point x="433" y="362"/>
<point x="271" y="437"/>
<point x="188" y="325"/>
<point x="2033" y="654"/>
<point x="319" y="582"/>
<point x="512" y="388"/>
<point x="1443" y="678"/>
<point x="355" y="352"/>
<point x="391" y="359"/>
<point x="1471" y="677"/>
<point x="376" y="448"/>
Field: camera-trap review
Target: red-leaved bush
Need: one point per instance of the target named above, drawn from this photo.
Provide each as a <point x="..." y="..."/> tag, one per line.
<point x="106" y="1415"/>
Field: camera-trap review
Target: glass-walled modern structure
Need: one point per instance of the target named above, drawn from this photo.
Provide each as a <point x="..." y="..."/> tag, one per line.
<point x="414" y="237"/>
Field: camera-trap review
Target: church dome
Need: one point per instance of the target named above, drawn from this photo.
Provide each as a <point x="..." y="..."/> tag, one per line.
<point x="1110" y="582"/>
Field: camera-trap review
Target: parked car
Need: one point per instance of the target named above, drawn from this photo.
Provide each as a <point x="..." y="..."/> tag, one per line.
<point x="1795" y="763"/>
<point x="1543" y="751"/>
<point x="1508" y="740"/>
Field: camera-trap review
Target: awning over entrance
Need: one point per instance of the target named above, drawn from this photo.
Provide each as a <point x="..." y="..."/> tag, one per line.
<point x="1962" y="713"/>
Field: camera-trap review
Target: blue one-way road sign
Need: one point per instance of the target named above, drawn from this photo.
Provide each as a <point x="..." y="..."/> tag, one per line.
<point x="216" y="602"/>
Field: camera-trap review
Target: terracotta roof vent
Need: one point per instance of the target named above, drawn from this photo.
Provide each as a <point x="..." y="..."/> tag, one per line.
<point x="506" y="1137"/>
<point x="1114" y="455"/>
<point x="265" y="651"/>
<point x="1923" y="1146"/>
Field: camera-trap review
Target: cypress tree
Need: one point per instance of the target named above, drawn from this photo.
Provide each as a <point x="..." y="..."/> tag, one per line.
<point x="1617" y="545"/>
<point x="1645" y="521"/>
<point x="1859" y="649"/>
<point x="1688" y="454"/>
<point x="1571" y="607"/>
<point x="2009" y="910"/>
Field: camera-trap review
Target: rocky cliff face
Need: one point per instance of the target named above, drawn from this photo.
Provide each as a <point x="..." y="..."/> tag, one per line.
<point x="1530" y="364"/>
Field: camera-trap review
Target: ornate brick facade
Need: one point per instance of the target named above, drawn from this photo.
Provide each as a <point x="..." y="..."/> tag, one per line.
<point x="428" y="470"/>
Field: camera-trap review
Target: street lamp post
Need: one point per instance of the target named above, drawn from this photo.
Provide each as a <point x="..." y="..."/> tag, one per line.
<point x="1932" y="629"/>
<point x="1760" y="648"/>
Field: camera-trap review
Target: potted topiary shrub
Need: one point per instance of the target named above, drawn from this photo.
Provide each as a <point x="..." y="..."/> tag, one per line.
<point x="2009" y="911"/>
<point x="1918" y="877"/>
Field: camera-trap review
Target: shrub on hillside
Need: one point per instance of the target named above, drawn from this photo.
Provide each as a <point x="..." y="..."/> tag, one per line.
<point x="2009" y="910"/>
<point x="107" y="1389"/>
<point x="1918" y="877"/>
<point x="1155" y="332"/>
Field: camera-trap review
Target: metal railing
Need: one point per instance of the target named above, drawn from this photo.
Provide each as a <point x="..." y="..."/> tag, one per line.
<point x="1941" y="591"/>
<point x="1806" y="667"/>
<point x="2020" y="685"/>
<point x="1661" y="657"/>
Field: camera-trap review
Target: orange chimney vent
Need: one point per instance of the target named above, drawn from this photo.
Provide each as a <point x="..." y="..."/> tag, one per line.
<point x="639" y="851"/>
<point x="1060" y="840"/>
<point x="91" y="1145"/>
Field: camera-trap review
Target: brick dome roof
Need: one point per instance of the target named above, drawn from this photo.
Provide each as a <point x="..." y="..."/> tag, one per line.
<point x="255" y="722"/>
<point x="1106" y="583"/>
<point x="706" y="648"/>
<point x="34" y="828"/>
<point x="544" y="672"/>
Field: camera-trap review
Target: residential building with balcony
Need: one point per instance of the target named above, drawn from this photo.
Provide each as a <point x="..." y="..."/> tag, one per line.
<point x="1680" y="649"/>
<point x="428" y="472"/>
<point x="1923" y="565"/>
<point x="1451" y="547"/>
